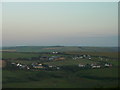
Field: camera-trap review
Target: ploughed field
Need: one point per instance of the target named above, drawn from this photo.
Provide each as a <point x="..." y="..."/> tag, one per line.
<point x="69" y="75"/>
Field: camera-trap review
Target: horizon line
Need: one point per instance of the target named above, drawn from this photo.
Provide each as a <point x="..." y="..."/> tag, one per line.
<point x="57" y="46"/>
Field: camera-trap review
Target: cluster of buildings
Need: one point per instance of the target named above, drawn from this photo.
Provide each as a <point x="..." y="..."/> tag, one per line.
<point x="55" y="52"/>
<point x="55" y="58"/>
<point x="33" y="66"/>
<point x="93" y="66"/>
<point x="20" y="66"/>
<point x="60" y="58"/>
<point x="82" y="57"/>
<point x="43" y="66"/>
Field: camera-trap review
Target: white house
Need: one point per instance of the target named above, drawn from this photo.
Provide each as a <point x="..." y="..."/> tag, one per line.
<point x="50" y="66"/>
<point x="81" y="65"/>
<point x="58" y="68"/>
<point x="108" y="65"/>
<point x="96" y="66"/>
<point x="89" y="58"/>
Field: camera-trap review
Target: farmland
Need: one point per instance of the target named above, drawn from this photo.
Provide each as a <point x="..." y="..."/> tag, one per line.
<point x="59" y="49"/>
<point x="68" y="75"/>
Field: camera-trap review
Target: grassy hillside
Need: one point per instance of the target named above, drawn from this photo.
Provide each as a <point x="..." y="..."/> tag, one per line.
<point x="100" y="78"/>
<point x="29" y="55"/>
<point x="60" y="49"/>
<point x="68" y="76"/>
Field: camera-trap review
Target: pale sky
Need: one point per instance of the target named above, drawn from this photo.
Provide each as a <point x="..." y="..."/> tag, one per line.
<point x="60" y="23"/>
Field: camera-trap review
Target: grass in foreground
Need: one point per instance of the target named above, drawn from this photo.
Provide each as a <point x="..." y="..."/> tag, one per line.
<point x="91" y="78"/>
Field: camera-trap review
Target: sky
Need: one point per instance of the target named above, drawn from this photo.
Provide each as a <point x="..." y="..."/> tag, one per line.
<point x="60" y="23"/>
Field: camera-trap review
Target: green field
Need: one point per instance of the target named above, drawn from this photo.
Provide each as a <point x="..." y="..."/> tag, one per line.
<point x="101" y="78"/>
<point x="16" y="55"/>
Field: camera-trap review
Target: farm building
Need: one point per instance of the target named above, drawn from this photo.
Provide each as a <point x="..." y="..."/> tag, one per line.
<point x="81" y="65"/>
<point x="56" y="58"/>
<point x="96" y="66"/>
<point x="44" y="58"/>
<point x="37" y="66"/>
<point x="107" y="65"/>
<point x="82" y="57"/>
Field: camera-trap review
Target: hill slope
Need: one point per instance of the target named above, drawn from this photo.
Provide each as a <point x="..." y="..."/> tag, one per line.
<point x="60" y="49"/>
